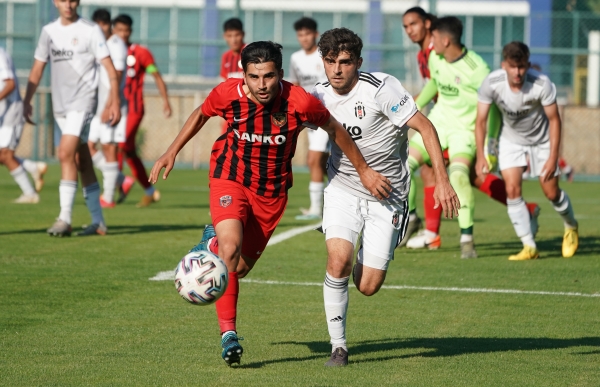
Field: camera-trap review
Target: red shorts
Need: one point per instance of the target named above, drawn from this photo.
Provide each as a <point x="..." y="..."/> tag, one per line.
<point x="259" y="214"/>
<point x="133" y="124"/>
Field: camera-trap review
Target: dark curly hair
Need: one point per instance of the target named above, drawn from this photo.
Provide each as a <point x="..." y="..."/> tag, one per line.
<point x="338" y="40"/>
<point x="262" y="52"/>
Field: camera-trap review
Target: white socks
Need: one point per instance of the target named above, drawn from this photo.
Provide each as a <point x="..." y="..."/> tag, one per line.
<point x="315" y="190"/>
<point x="66" y="190"/>
<point x="99" y="160"/>
<point x="30" y="166"/>
<point x="521" y="220"/>
<point x="565" y="210"/>
<point x="110" y="173"/>
<point x="466" y="238"/>
<point x="22" y="180"/>
<point x="91" y="194"/>
<point x="335" y="295"/>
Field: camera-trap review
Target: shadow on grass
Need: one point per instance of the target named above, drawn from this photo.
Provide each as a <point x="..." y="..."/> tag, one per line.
<point x="434" y="347"/>
<point x="124" y="229"/>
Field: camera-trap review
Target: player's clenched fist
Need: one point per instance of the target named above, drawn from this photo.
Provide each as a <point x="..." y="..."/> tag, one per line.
<point x="165" y="161"/>
<point x="445" y="196"/>
<point x="377" y="184"/>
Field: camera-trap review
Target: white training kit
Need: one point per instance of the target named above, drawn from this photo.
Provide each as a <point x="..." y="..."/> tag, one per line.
<point x="11" y="107"/>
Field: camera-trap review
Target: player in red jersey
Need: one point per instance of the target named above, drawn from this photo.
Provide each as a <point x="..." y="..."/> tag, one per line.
<point x="231" y="61"/>
<point x="251" y="166"/>
<point x="139" y="62"/>
<point x="416" y="25"/>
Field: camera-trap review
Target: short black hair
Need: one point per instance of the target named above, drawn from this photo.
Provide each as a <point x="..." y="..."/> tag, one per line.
<point x="306" y="23"/>
<point x="421" y="13"/>
<point x="450" y="25"/>
<point x="233" y="24"/>
<point x="338" y="40"/>
<point x="516" y="51"/>
<point x="262" y="52"/>
<point x="123" y="19"/>
<point x="101" y="15"/>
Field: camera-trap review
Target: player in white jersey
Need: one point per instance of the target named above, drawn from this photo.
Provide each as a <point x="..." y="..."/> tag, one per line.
<point x="11" y="128"/>
<point x="73" y="45"/>
<point x="375" y="110"/>
<point x="531" y="130"/>
<point x="109" y="136"/>
<point x="306" y="69"/>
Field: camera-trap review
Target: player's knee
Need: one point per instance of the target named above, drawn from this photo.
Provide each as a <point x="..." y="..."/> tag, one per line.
<point x="513" y="191"/>
<point x="230" y="249"/>
<point x="459" y="175"/>
<point x="338" y="267"/>
<point x="4" y="155"/>
<point x="66" y="155"/>
<point x="552" y="194"/>
<point x="369" y="289"/>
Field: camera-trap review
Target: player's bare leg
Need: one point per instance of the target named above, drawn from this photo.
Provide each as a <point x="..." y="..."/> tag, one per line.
<point x="7" y="157"/>
<point x="316" y="165"/>
<point x="91" y="193"/>
<point x="562" y="205"/>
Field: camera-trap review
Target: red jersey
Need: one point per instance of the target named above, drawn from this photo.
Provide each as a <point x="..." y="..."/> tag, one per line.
<point x="257" y="149"/>
<point x="231" y="65"/>
<point x="139" y="59"/>
<point x="423" y="59"/>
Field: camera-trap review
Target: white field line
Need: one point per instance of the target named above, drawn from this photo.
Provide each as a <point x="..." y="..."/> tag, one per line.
<point x="170" y="275"/>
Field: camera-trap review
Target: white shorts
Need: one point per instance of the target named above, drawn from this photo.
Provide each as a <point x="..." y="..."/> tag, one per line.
<point x="318" y="140"/>
<point x="106" y="134"/>
<point x="74" y="123"/>
<point x="511" y="155"/>
<point x="382" y="225"/>
<point x="10" y="136"/>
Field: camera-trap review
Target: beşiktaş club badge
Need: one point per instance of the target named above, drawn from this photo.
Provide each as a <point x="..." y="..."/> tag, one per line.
<point x="279" y="119"/>
<point x="225" y="201"/>
<point x="359" y="110"/>
<point x="396" y="219"/>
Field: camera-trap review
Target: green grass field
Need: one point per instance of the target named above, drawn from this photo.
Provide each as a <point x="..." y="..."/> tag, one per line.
<point x="77" y="311"/>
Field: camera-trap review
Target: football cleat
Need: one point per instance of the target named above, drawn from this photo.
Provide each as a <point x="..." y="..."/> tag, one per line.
<point x="124" y="188"/>
<point x="105" y="204"/>
<point x="207" y="236"/>
<point x="526" y="254"/>
<point x="467" y="250"/>
<point x="570" y="242"/>
<point x="34" y="198"/>
<point x="339" y="358"/>
<point x="534" y="213"/>
<point x="421" y="241"/>
<point x="93" y="229"/>
<point x="232" y="350"/>
<point x="413" y="227"/>
<point x="60" y="228"/>
<point x="38" y="175"/>
<point x="149" y="199"/>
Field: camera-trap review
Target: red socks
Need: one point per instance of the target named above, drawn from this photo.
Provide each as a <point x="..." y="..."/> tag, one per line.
<point x="138" y="171"/>
<point x="494" y="187"/>
<point x="432" y="216"/>
<point x="227" y="304"/>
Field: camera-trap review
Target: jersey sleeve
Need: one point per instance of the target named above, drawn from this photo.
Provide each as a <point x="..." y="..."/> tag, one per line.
<point x="98" y="44"/>
<point x="395" y="102"/>
<point x="118" y="54"/>
<point x="147" y="60"/>
<point x="292" y="75"/>
<point x="214" y="103"/>
<point x="312" y="112"/>
<point x="5" y="68"/>
<point x="479" y="75"/>
<point x="42" y="51"/>
<point x="548" y="95"/>
<point x="485" y="94"/>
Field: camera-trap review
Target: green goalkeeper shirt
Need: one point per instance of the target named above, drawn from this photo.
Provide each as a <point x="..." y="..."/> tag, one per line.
<point x="457" y="84"/>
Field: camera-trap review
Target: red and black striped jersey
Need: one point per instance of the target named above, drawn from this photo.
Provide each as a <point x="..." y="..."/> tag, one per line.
<point x="260" y="141"/>
<point x="231" y="64"/>
<point x="423" y="59"/>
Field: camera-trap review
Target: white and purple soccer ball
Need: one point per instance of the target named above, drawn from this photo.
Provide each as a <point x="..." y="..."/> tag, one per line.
<point x="201" y="278"/>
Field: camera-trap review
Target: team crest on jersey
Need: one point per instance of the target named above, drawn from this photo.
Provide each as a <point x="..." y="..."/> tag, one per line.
<point x="130" y="60"/>
<point x="279" y="119"/>
<point x="396" y="218"/>
<point x="359" y="110"/>
<point x="225" y="201"/>
<point x="74" y="41"/>
<point x="457" y="80"/>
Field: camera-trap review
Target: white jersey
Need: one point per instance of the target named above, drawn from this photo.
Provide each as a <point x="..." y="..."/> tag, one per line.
<point x="11" y="107"/>
<point x="73" y="51"/>
<point x="524" y="121"/>
<point x="374" y="113"/>
<point x="306" y="70"/>
<point x="118" y="55"/>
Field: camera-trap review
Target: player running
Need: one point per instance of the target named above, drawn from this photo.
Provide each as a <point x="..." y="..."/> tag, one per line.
<point x="250" y="169"/>
<point x="109" y="136"/>
<point x="11" y="128"/>
<point x="375" y="110"/>
<point x="417" y="25"/>
<point x="531" y="132"/>
<point x="306" y="69"/>
<point x="73" y="46"/>
<point x="139" y="62"/>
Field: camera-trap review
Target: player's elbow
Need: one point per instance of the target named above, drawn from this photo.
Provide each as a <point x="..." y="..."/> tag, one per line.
<point x="9" y="85"/>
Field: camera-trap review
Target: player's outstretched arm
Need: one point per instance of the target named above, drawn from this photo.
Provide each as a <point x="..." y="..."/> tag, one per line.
<point x="37" y="70"/>
<point x="443" y="194"/>
<point x="162" y="90"/>
<point x="481" y="166"/>
<point x="377" y="184"/>
<point x="194" y="123"/>
<point x="112" y="110"/>
<point x="427" y="94"/>
<point x="555" y="129"/>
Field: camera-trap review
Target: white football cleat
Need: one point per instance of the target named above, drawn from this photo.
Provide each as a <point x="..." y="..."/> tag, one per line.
<point x="34" y="198"/>
<point x="38" y="175"/>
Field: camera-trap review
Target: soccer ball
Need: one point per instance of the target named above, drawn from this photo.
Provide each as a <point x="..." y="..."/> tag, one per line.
<point x="201" y="278"/>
